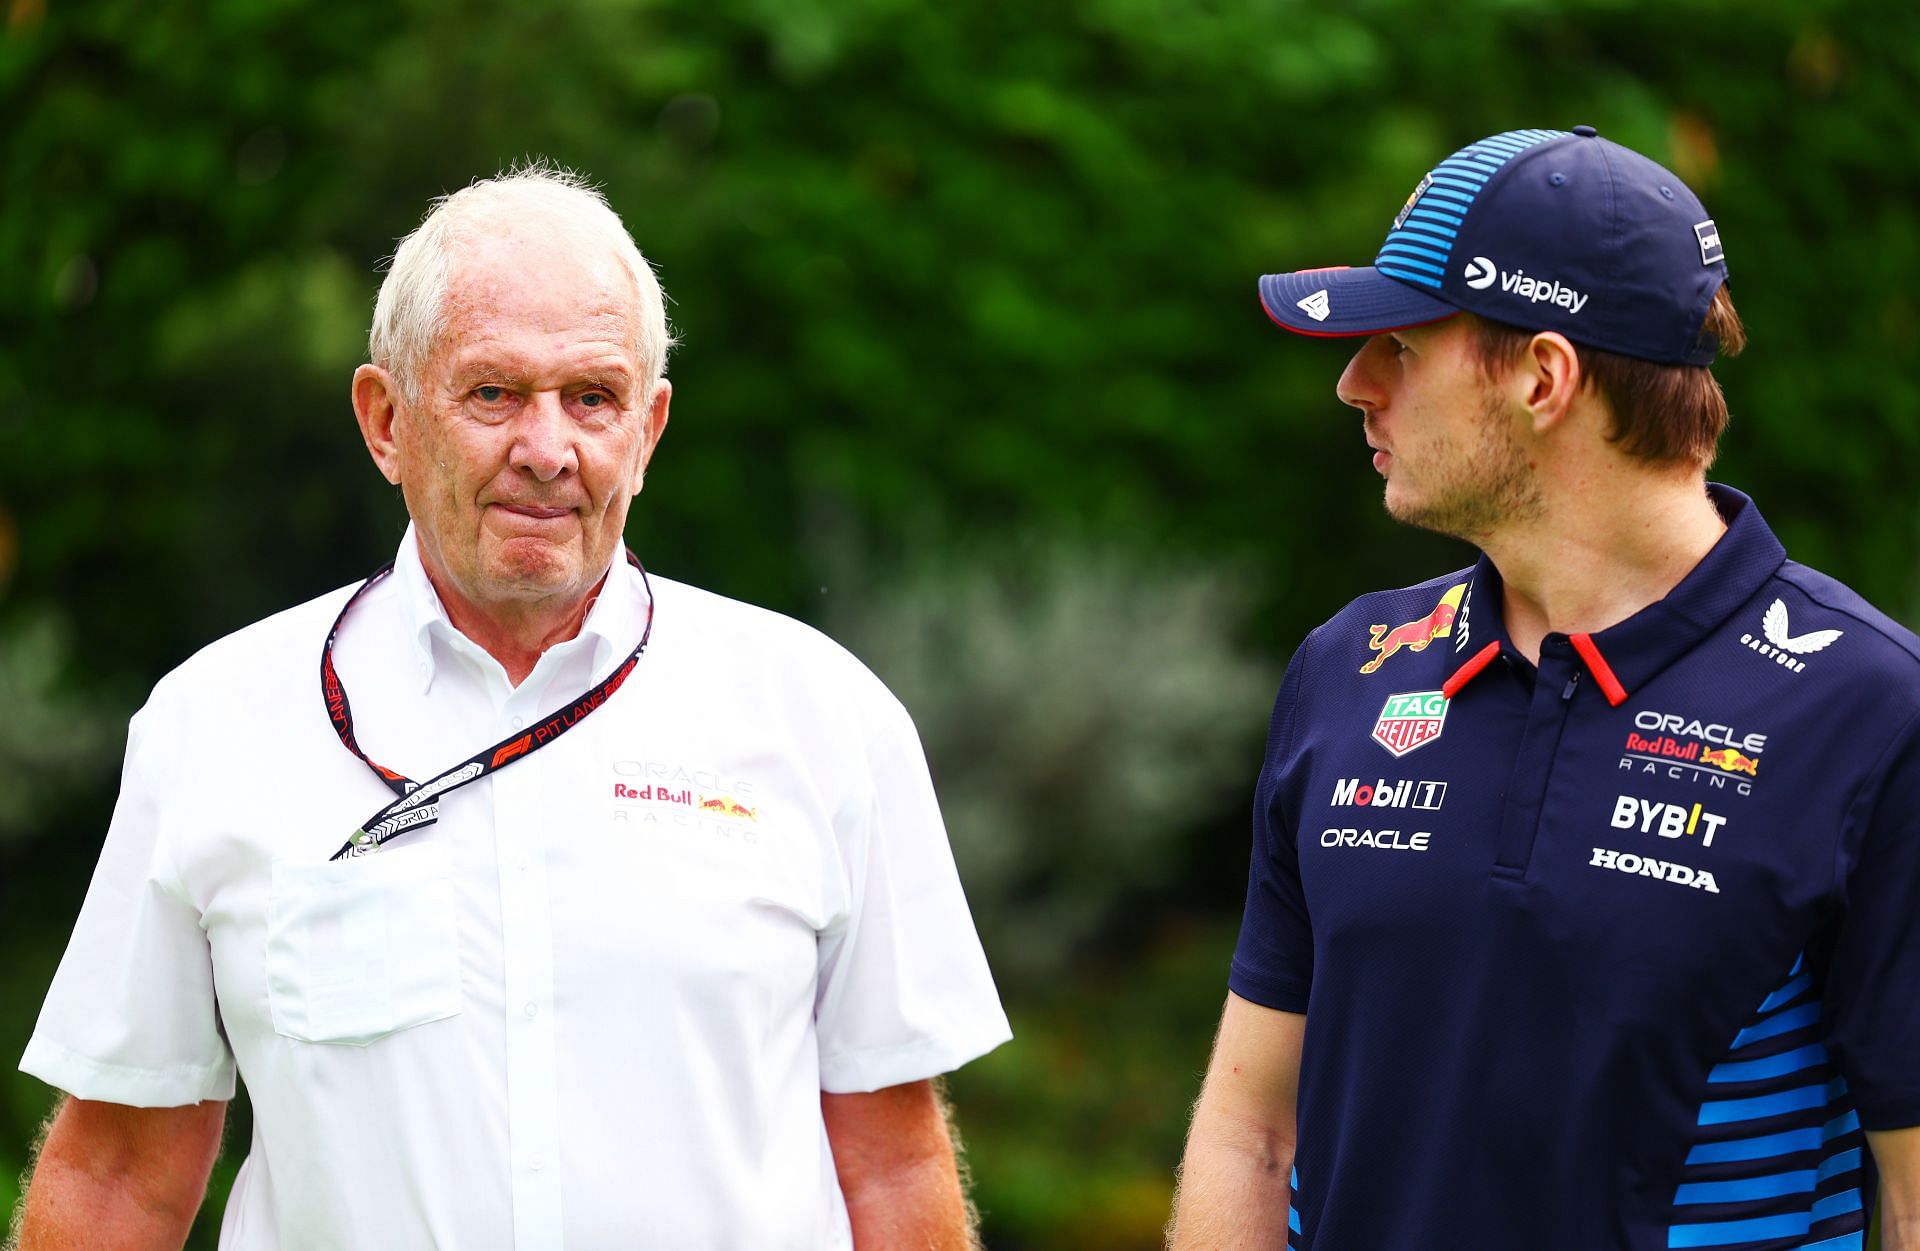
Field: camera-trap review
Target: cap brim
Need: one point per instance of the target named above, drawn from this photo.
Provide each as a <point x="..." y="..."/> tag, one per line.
<point x="1348" y="302"/>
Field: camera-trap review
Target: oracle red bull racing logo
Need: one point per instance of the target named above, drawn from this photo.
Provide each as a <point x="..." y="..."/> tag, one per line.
<point x="687" y="797"/>
<point x="1410" y="720"/>
<point x="1688" y="749"/>
<point x="1414" y="635"/>
<point x="668" y="795"/>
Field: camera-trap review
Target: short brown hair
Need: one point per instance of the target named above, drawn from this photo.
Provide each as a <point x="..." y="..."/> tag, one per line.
<point x="1662" y="413"/>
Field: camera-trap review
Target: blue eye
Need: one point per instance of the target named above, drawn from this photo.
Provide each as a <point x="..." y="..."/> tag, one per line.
<point x="490" y="394"/>
<point x="592" y="399"/>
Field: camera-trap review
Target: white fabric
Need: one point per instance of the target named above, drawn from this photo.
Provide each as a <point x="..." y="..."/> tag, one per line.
<point x="595" y="1005"/>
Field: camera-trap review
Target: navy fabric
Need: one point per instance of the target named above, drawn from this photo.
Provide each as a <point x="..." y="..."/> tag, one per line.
<point x="1586" y="977"/>
<point x="1336" y="303"/>
<point x="1546" y="230"/>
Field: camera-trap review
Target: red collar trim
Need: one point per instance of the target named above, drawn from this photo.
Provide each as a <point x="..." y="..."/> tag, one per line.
<point x="1467" y="672"/>
<point x="1583" y="643"/>
<point x="1602" y="672"/>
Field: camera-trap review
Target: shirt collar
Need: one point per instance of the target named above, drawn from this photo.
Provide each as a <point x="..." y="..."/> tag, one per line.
<point x="1635" y="651"/>
<point x="611" y="628"/>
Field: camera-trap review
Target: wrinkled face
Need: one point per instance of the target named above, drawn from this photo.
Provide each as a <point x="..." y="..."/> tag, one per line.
<point x="1444" y="438"/>
<point x="532" y="426"/>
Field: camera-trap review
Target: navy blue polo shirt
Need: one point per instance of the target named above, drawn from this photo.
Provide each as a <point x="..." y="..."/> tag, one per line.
<point x="1617" y="953"/>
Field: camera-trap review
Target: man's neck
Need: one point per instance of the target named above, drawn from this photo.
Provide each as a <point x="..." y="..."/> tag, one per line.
<point x="1607" y="545"/>
<point x="517" y="633"/>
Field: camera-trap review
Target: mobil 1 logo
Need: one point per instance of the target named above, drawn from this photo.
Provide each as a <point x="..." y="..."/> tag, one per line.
<point x="1388" y="793"/>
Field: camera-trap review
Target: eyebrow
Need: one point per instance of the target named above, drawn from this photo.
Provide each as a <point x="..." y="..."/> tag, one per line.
<point x="610" y="378"/>
<point x="481" y="373"/>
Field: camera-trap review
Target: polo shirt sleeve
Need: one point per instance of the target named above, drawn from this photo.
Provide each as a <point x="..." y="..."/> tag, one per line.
<point x="1872" y="1009"/>
<point x="131" y="1016"/>
<point x="904" y="991"/>
<point x="1273" y="963"/>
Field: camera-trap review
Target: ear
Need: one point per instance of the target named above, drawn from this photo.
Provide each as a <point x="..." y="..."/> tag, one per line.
<point x="1547" y="380"/>
<point x="653" y="427"/>
<point x="376" y="405"/>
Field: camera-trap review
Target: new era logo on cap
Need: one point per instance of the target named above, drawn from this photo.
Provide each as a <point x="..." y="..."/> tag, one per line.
<point x="1315" y="305"/>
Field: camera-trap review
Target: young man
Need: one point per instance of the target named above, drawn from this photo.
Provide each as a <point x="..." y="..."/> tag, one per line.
<point x="1581" y="913"/>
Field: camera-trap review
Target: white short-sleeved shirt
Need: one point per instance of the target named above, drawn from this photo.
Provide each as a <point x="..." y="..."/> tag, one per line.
<point x="596" y="1004"/>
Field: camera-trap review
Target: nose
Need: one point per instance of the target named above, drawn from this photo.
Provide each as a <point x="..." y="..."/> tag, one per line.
<point x="543" y="442"/>
<point x="1359" y="383"/>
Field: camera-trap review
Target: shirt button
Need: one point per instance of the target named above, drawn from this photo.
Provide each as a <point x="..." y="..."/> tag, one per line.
<point x="532" y="1010"/>
<point x="536" y="1161"/>
<point x="519" y="723"/>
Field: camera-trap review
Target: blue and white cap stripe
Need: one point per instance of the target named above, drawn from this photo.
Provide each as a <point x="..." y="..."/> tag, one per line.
<point x="1421" y="241"/>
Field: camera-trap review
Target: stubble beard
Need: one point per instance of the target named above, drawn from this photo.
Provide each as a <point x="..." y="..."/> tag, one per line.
<point x="1477" y="490"/>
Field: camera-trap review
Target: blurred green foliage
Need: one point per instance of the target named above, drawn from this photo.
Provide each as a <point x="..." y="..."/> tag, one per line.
<point x="960" y="286"/>
<point x="1082" y="708"/>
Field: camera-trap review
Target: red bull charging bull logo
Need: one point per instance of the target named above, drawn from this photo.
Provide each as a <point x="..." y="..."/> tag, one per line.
<point x="726" y="806"/>
<point x="1732" y="761"/>
<point x="1415" y="635"/>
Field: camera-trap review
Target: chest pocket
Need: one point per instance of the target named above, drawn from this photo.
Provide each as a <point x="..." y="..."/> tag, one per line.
<point x="357" y="949"/>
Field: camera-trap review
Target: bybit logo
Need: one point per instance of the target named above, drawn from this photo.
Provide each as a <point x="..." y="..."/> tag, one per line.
<point x="1666" y="820"/>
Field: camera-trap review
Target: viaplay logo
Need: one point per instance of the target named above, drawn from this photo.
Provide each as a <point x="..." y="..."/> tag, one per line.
<point x="1481" y="273"/>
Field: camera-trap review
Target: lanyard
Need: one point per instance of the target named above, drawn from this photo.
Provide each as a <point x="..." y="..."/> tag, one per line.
<point x="417" y="804"/>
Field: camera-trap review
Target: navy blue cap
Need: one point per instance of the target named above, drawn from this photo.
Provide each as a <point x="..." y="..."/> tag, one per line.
<point x="1541" y="229"/>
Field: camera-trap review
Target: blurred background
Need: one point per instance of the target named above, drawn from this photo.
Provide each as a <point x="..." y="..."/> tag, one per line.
<point x="973" y="377"/>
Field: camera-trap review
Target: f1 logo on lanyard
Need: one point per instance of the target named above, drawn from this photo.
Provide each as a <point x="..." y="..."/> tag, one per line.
<point x="417" y="804"/>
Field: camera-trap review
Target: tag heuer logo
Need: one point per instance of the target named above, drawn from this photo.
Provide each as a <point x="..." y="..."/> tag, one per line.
<point x="1315" y="305"/>
<point x="1410" y="720"/>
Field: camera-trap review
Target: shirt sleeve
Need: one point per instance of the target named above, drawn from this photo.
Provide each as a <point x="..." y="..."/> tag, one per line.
<point x="1872" y="1010"/>
<point x="1273" y="962"/>
<point x="904" y="991"/>
<point x="131" y="1016"/>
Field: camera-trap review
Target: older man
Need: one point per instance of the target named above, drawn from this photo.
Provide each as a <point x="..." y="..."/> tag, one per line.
<point x="1581" y="913"/>
<point x="561" y="905"/>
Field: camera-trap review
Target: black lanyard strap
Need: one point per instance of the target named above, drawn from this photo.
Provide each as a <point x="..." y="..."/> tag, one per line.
<point x="417" y="804"/>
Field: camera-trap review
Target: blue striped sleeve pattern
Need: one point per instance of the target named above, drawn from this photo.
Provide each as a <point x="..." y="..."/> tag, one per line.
<point x="1778" y="1158"/>
<point x="1421" y="242"/>
<point x="1294" y="1242"/>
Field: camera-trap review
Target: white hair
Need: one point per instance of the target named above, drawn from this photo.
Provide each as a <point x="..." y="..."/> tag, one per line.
<point x="410" y="314"/>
